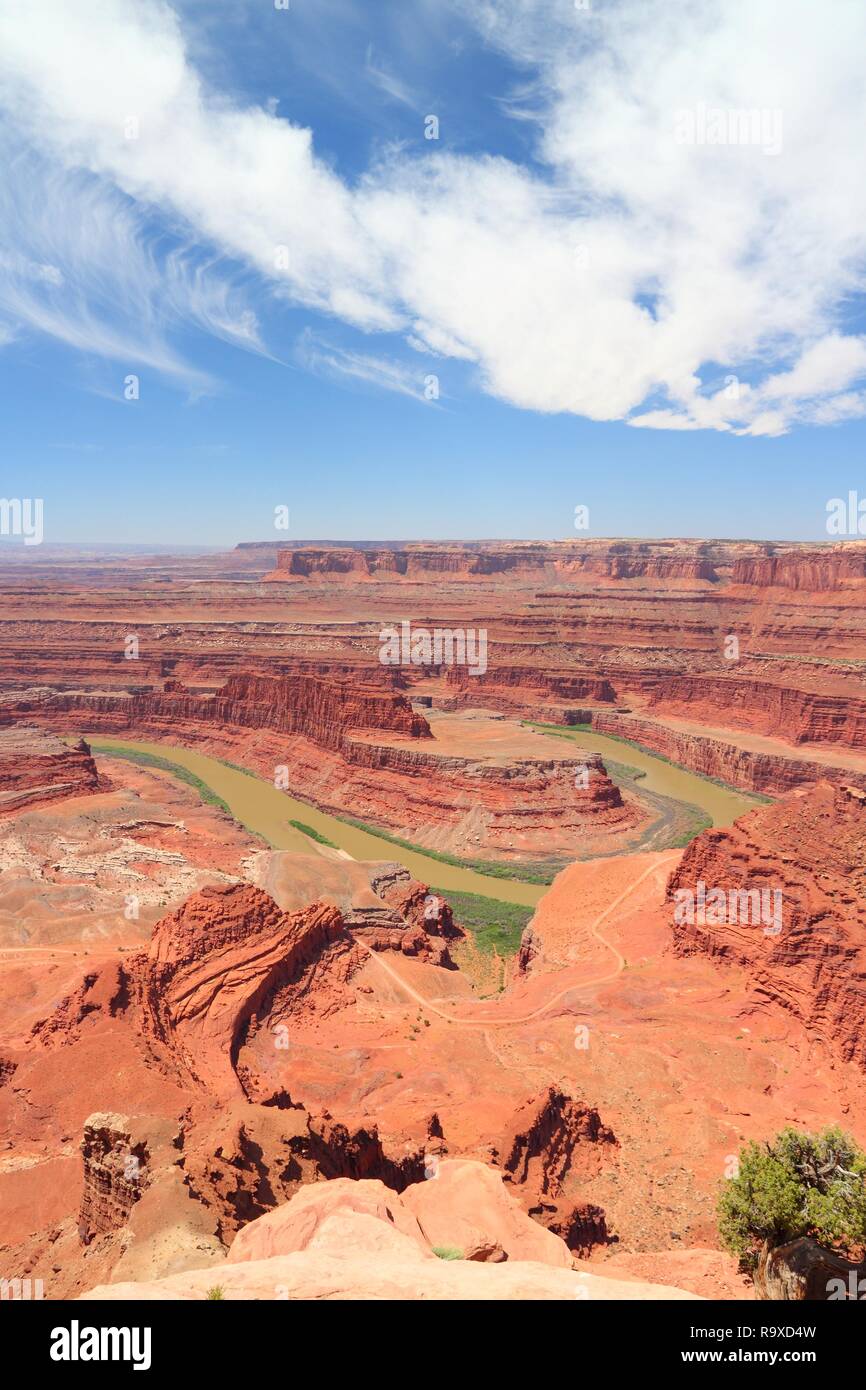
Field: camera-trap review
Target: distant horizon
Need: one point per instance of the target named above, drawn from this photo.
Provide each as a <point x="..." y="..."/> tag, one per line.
<point x="17" y="547"/>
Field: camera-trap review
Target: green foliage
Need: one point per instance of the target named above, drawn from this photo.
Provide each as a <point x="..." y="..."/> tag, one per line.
<point x="135" y="755"/>
<point x="541" y="871"/>
<point x="448" y="1252"/>
<point x="313" y="834"/>
<point x="215" y="1293"/>
<point x="494" y="925"/>
<point x="800" y="1185"/>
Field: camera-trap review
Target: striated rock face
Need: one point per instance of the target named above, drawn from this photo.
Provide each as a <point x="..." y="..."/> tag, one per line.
<point x="115" y="1174"/>
<point x="715" y="757"/>
<point x="810" y="849"/>
<point x="812" y="571"/>
<point x="36" y="767"/>
<point x="318" y="708"/>
<point x="611" y="560"/>
<point x="804" y="716"/>
<point x="215" y="965"/>
<point x="396" y="778"/>
<point x="211" y="969"/>
<point x="499" y="686"/>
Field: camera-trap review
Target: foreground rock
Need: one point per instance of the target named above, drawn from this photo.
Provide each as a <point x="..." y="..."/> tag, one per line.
<point x="351" y="1241"/>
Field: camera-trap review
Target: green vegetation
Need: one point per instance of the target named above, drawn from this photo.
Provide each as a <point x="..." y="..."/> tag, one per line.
<point x="236" y="767"/>
<point x="800" y="1185"/>
<point x="132" y="755"/>
<point x="542" y="871"/>
<point x="215" y="1293"/>
<point x="183" y="774"/>
<point x="495" y="926"/>
<point x="313" y="834"/>
<point x="696" y="821"/>
<point x="448" y="1252"/>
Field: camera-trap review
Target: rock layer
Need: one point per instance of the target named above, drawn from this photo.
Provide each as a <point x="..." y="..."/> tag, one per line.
<point x="811" y="850"/>
<point x="36" y="768"/>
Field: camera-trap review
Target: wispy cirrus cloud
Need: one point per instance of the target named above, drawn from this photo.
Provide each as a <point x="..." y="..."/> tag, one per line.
<point x="329" y="359"/>
<point x="625" y="268"/>
<point x="79" y="264"/>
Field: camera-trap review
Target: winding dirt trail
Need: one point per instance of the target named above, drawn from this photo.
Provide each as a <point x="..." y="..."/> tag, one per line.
<point x="555" y="998"/>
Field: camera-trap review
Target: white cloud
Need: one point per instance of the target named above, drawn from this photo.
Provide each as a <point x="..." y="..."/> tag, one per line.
<point x="329" y="359"/>
<point x="387" y="82"/>
<point x="629" y="269"/>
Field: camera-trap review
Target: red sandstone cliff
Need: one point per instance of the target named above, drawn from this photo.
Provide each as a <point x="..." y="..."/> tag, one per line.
<point x="319" y="708"/>
<point x="800" y="716"/>
<point x="811" y="571"/>
<point x="810" y="848"/>
<point x="36" y="767"/>
<point x="612" y="560"/>
<point x="716" y="757"/>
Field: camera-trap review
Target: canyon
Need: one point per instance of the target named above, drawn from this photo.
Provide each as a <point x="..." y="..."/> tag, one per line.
<point x="236" y="1052"/>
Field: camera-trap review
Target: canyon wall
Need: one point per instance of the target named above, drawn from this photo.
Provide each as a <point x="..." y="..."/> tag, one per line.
<point x="36" y="767"/>
<point x="806" y="716"/>
<point x="811" y="849"/>
<point x="321" y="709"/>
<point x="711" y="756"/>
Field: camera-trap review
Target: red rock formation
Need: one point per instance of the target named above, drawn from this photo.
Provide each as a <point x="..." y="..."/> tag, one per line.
<point x="614" y="560"/>
<point x="251" y="1159"/>
<point x="115" y="1174"/>
<point x="799" y="716"/>
<point x="431" y="922"/>
<point x="813" y="571"/>
<point x="404" y="785"/>
<point x="225" y="965"/>
<point x="810" y="849"/>
<point x="36" y="767"/>
<point x="562" y="685"/>
<point x="319" y="709"/>
<point x="730" y="762"/>
<point x="552" y="1142"/>
<point x="215" y="965"/>
<point x="551" y="1136"/>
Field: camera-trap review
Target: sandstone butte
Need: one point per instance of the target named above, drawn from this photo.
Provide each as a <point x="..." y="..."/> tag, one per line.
<point x="282" y="1063"/>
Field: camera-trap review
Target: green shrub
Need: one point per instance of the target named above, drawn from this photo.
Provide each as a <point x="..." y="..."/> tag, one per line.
<point x="800" y="1185"/>
<point x="448" y="1252"/>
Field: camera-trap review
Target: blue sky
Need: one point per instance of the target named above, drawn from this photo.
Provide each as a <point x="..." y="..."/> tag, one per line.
<point x="669" y="334"/>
